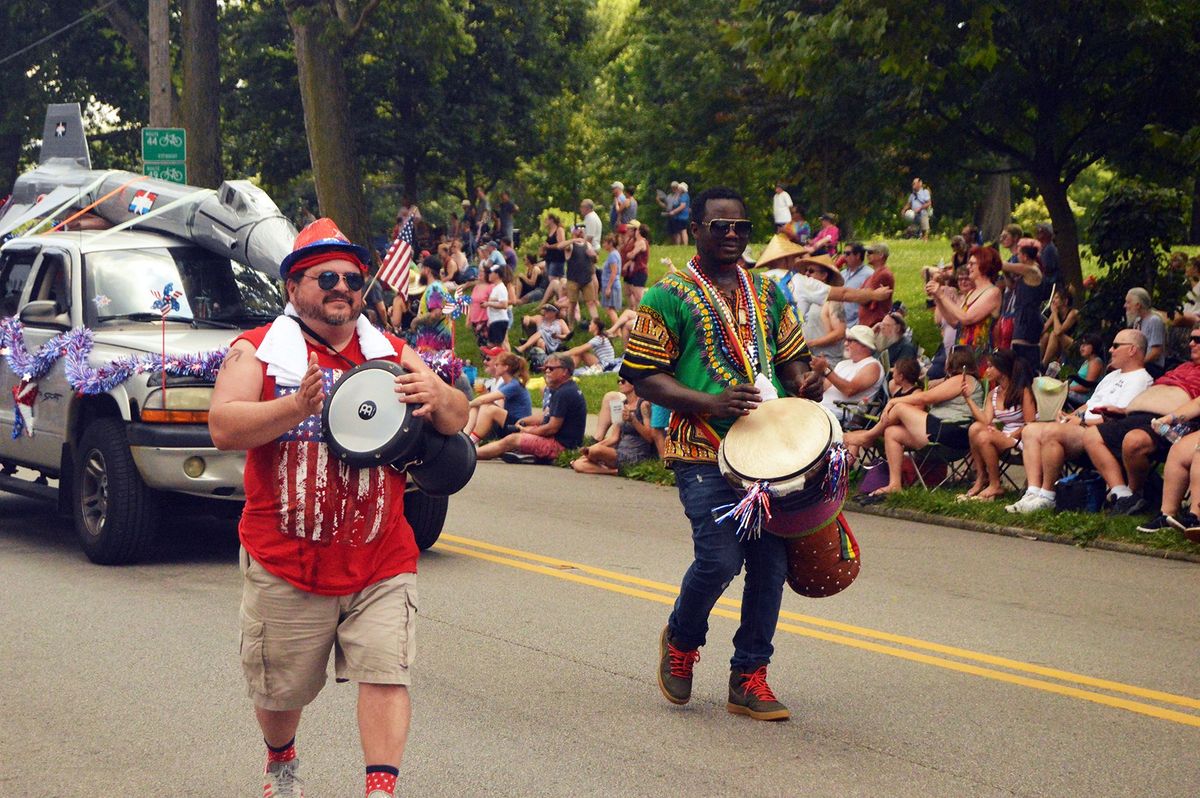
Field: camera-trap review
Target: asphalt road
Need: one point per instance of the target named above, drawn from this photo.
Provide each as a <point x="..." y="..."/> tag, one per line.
<point x="959" y="664"/>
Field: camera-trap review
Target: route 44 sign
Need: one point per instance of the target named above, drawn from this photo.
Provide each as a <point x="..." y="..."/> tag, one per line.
<point x="164" y="144"/>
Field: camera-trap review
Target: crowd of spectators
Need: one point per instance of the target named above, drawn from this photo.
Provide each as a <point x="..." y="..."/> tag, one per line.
<point x="1008" y="328"/>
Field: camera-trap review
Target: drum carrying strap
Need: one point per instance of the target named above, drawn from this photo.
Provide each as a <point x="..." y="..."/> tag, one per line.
<point x="311" y="333"/>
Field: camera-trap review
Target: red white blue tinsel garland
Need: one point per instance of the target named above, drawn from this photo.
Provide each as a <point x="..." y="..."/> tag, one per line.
<point x="74" y="347"/>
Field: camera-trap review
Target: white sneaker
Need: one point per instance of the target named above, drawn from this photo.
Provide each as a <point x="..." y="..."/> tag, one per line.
<point x="1019" y="505"/>
<point x="280" y="780"/>
<point x="1034" y="504"/>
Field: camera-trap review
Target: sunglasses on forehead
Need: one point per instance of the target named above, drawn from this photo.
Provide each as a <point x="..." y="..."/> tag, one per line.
<point x="721" y="227"/>
<point x="329" y="280"/>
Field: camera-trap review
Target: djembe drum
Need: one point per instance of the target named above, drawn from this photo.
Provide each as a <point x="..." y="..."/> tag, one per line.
<point x="787" y="459"/>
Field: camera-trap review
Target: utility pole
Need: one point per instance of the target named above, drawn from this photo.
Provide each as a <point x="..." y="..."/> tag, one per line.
<point x="160" y="64"/>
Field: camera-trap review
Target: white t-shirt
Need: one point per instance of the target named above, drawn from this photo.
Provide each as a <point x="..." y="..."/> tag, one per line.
<point x="782" y="207"/>
<point x="499" y="293"/>
<point x="806" y="291"/>
<point x="848" y="370"/>
<point x="1117" y="389"/>
<point x="593" y="228"/>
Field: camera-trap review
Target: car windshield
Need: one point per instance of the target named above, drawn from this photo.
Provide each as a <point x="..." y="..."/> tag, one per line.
<point x="204" y="285"/>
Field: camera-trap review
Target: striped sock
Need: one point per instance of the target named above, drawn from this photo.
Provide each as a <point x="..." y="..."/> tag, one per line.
<point x="381" y="777"/>
<point x="285" y="753"/>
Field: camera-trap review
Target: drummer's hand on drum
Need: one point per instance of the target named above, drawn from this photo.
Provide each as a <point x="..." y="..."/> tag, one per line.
<point x="311" y="393"/>
<point x="418" y="387"/>
<point x="736" y="400"/>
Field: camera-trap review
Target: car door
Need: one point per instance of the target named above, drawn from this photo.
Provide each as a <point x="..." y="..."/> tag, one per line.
<point x="50" y="280"/>
<point x="16" y="266"/>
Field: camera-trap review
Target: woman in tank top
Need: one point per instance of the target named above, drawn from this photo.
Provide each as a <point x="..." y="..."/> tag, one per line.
<point x="1010" y="404"/>
<point x="978" y="308"/>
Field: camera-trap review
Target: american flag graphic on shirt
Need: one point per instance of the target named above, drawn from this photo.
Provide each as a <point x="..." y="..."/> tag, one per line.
<point x="322" y="499"/>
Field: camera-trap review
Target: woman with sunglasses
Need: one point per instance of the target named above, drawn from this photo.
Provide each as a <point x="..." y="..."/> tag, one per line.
<point x="975" y="312"/>
<point x="627" y="438"/>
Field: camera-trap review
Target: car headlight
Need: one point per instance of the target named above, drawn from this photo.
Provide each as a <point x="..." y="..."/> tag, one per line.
<point x="182" y="405"/>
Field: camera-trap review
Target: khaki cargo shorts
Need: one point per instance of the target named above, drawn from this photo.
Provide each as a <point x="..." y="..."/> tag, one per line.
<point x="287" y="634"/>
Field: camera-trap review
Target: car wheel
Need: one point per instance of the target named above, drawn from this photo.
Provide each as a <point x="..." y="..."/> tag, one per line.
<point x="426" y="515"/>
<point x="115" y="513"/>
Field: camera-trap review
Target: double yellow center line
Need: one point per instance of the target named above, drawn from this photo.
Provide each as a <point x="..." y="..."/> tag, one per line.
<point x="1037" y="677"/>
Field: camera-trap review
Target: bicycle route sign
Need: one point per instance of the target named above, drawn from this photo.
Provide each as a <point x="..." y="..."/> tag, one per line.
<point x="164" y="153"/>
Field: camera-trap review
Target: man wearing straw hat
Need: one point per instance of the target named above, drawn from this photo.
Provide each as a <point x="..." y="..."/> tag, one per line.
<point x="710" y="342"/>
<point x="328" y="560"/>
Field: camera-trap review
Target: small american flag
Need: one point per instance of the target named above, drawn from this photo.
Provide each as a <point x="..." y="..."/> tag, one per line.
<point x="394" y="273"/>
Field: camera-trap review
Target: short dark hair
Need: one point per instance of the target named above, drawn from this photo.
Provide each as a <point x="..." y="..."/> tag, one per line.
<point x="700" y="201"/>
<point x="857" y="248"/>
<point x="909" y="368"/>
<point x="562" y="359"/>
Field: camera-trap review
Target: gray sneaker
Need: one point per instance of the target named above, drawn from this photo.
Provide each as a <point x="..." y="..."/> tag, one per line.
<point x="675" y="669"/>
<point x="280" y="780"/>
<point x="749" y="694"/>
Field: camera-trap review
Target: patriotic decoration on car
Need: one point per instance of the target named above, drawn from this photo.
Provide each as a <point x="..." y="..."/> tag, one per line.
<point x="24" y="395"/>
<point x="166" y="300"/>
<point x="142" y="202"/>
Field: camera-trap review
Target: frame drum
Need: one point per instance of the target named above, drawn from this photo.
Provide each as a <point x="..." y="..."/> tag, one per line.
<point x="365" y="423"/>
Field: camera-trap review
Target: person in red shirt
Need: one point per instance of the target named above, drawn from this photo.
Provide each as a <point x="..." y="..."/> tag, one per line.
<point x="327" y="557"/>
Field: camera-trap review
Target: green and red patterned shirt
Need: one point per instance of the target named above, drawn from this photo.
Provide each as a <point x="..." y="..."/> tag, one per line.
<point x="677" y="332"/>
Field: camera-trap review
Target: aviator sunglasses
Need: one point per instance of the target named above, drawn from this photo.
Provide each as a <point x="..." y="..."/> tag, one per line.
<point x="329" y="280"/>
<point x="721" y="227"/>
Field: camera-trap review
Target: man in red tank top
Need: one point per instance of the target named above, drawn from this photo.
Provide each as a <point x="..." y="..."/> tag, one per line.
<point x="328" y="559"/>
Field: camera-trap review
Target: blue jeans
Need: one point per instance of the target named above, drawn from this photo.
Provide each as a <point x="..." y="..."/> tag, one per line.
<point x="718" y="559"/>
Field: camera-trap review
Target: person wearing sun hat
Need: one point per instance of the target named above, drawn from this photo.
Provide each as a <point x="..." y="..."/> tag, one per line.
<point x="856" y="378"/>
<point x="328" y="559"/>
<point x="824" y="323"/>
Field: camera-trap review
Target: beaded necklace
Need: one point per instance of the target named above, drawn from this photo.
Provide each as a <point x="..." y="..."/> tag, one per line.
<point x="748" y="353"/>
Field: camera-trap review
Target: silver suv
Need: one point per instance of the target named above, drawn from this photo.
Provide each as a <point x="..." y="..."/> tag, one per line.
<point x="117" y="453"/>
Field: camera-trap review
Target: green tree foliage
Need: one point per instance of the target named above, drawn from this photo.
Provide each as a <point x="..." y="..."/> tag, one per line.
<point x="1042" y="88"/>
<point x="1131" y="234"/>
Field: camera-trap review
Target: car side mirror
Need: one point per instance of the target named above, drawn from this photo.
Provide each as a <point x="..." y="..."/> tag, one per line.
<point x="44" y="313"/>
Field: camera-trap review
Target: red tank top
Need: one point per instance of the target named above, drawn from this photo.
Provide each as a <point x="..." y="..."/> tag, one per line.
<point x="310" y="519"/>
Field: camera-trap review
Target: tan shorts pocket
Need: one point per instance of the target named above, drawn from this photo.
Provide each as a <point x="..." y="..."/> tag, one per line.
<point x="250" y="647"/>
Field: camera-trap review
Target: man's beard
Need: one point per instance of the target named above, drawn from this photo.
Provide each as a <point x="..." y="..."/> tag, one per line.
<point x="1131" y="319"/>
<point x="317" y="311"/>
<point x="884" y="340"/>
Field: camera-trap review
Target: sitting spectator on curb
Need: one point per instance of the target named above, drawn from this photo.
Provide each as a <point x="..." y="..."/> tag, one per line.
<point x="1181" y="475"/>
<point x="1056" y="332"/>
<point x="1083" y="382"/>
<point x="547" y="338"/>
<point x="543" y="438"/>
<point x="1010" y="404"/>
<point x="499" y="410"/>
<point x="937" y="415"/>
<point x="596" y="354"/>
<point x="1141" y="316"/>
<point x="627" y="441"/>
<point x="891" y="336"/>
<point x="906" y="373"/>
<point x="1048" y="445"/>
<point x="1125" y="447"/>
<point x="855" y="379"/>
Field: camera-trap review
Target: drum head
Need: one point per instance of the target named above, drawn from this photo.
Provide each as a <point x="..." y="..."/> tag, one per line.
<point x="778" y="440"/>
<point x="364" y="422"/>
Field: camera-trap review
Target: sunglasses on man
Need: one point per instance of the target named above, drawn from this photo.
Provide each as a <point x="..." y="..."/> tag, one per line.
<point x="721" y="227"/>
<point x="327" y="281"/>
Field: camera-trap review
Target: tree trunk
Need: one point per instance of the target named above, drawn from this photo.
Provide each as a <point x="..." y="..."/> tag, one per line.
<point x="160" y="64"/>
<point x="131" y="30"/>
<point x="997" y="206"/>
<point x="324" y="95"/>
<point x="10" y="159"/>
<point x="410" y="177"/>
<point x="201" y="107"/>
<point x="1066" y="232"/>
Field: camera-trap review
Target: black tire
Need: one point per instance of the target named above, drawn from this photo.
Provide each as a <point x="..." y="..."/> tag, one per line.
<point x="115" y="513"/>
<point x="426" y="515"/>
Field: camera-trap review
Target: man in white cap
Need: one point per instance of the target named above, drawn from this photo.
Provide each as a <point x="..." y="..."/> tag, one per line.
<point x="328" y="560"/>
<point x="855" y="379"/>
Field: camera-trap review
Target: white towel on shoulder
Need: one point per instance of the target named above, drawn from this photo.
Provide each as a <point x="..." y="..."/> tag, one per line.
<point x="286" y="355"/>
